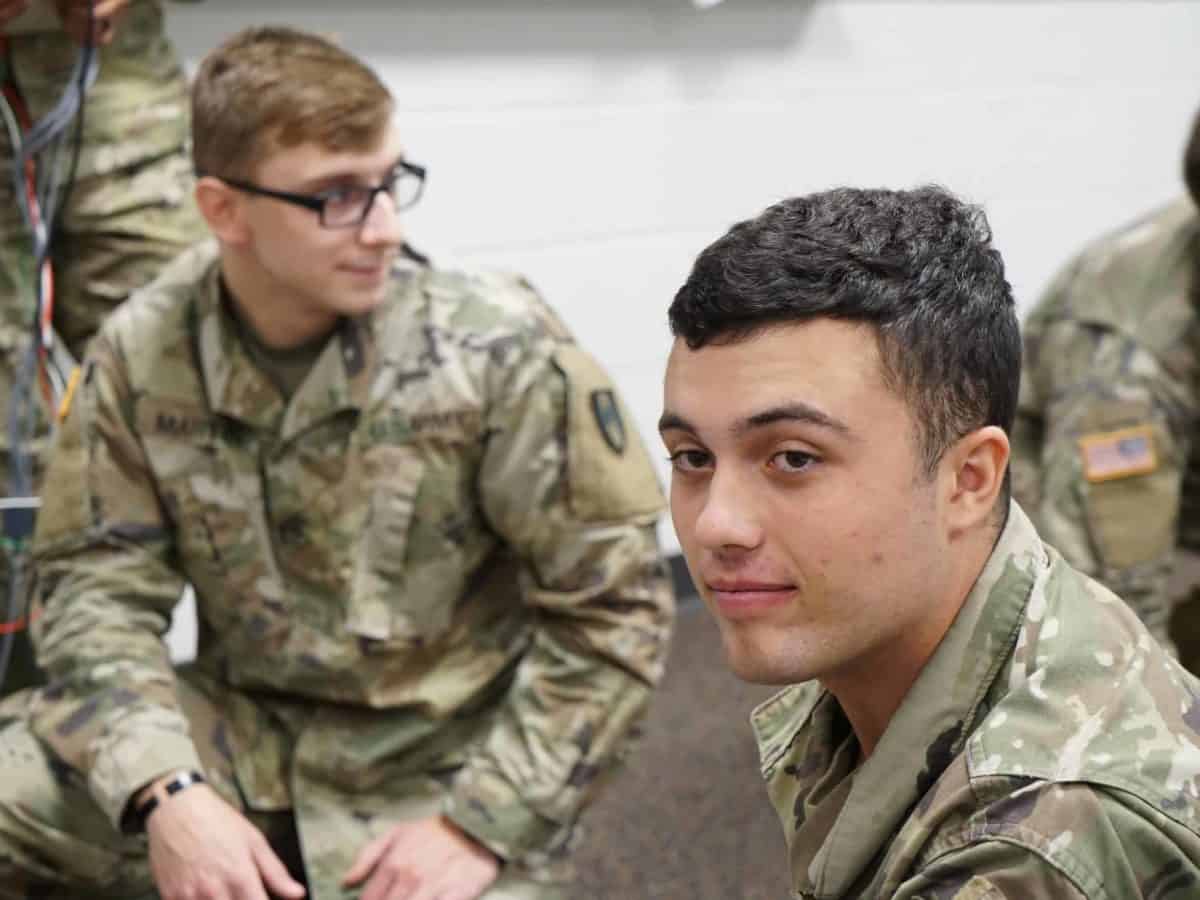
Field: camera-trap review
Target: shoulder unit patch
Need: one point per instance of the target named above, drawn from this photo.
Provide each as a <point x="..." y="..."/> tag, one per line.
<point x="608" y="417"/>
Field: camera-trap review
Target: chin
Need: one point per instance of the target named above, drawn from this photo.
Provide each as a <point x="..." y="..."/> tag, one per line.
<point x="752" y="662"/>
<point x="361" y="303"/>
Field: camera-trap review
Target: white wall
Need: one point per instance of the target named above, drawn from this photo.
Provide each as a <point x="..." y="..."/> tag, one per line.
<point x="598" y="146"/>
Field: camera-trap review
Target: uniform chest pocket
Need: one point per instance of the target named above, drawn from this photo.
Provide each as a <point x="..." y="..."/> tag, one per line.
<point x="217" y="518"/>
<point x="384" y="606"/>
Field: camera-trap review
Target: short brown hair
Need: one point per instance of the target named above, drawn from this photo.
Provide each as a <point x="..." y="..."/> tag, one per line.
<point x="268" y="88"/>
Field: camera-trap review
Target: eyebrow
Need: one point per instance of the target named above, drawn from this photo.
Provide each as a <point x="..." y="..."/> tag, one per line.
<point x="325" y="181"/>
<point x="788" y="412"/>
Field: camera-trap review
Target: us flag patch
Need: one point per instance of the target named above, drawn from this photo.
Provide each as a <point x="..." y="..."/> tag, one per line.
<point x="1118" y="454"/>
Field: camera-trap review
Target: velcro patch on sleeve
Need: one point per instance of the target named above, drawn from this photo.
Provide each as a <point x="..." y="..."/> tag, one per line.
<point x="1118" y="454"/>
<point x="609" y="472"/>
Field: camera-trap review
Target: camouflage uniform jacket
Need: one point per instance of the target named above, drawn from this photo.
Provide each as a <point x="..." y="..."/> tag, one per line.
<point x="1110" y="399"/>
<point x="136" y="110"/>
<point x="1049" y="749"/>
<point x="445" y="539"/>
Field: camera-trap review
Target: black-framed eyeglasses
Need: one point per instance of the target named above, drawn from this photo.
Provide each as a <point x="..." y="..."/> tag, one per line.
<point x="346" y="206"/>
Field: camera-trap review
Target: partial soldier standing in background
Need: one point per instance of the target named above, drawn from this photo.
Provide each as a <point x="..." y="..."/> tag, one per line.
<point x="127" y="197"/>
<point x="419" y="524"/>
<point x="1110" y="406"/>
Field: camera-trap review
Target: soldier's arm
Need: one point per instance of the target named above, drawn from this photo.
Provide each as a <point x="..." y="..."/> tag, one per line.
<point x="1067" y="841"/>
<point x="995" y="870"/>
<point x="567" y="483"/>
<point x="1117" y="435"/>
<point x="103" y="594"/>
<point x="1029" y="424"/>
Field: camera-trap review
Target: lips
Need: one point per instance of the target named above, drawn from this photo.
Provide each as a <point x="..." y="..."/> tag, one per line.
<point x="744" y="599"/>
<point x="376" y="267"/>
<point x="367" y="270"/>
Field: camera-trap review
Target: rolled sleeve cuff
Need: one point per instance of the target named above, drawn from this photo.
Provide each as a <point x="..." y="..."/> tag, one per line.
<point x="128" y="765"/>
<point x="486" y="806"/>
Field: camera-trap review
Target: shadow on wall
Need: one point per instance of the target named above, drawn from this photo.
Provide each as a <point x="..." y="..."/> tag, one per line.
<point x="474" y="28"/>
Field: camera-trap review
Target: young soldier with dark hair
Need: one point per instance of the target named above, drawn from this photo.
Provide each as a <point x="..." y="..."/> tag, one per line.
<point x="418" y="524"/>
<point x="970" y="717"/>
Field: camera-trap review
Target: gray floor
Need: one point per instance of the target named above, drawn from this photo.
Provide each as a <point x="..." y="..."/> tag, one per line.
<point x="688" y="818"/>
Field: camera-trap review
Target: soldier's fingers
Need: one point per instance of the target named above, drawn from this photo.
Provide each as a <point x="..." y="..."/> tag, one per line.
<point x="386" y="885"/>
<point x="106" y="9"/>
<point x="446" y="889"/>
<point x="247" y="888"/>
<point x="274" y="873"/>
<point x="366" y="860"/>
<point x="428" y="891"/>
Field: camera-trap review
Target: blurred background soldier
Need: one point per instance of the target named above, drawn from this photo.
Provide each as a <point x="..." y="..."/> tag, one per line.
<point x="1108" y="411"/>
<point x="119" y="175"/>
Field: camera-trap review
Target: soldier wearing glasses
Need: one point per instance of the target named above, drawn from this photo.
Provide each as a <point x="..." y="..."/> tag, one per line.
<point x="431" y="604"/>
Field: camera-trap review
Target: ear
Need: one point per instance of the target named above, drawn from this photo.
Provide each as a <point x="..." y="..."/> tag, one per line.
<point x="223" y="210"/>
<point x="975" y="466"/>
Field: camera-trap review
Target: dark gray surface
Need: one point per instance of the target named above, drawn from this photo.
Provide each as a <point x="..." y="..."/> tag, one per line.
<point x="688" y="818"/>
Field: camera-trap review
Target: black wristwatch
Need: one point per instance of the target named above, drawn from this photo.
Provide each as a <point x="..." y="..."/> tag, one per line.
<point x="181" y="780"/>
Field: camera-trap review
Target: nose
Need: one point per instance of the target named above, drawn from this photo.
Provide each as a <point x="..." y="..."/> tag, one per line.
<point x="726" y="519"/>
<point x="382" y="226"/>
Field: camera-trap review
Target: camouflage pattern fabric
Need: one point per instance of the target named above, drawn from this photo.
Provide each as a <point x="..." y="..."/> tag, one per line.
<point x="129" y="212"/>
<point x="56" y="844"/>
<point x="436" y="563"/>
<point x="1108" y="410"/>
<point x="1050" y="749"/>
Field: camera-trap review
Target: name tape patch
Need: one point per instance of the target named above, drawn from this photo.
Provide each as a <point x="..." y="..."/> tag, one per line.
<point x="1118" y="454"/>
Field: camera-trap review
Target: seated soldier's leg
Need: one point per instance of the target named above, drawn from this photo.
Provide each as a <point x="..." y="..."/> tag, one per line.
<point x="349" y="823"/>
<point x="56" y="843"/>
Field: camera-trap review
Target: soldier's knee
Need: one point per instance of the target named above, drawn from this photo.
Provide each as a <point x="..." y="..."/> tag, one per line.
<point x="54" y="841"/>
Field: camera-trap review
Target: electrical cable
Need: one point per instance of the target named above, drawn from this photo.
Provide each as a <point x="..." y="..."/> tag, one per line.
<point x="40" y="188"/>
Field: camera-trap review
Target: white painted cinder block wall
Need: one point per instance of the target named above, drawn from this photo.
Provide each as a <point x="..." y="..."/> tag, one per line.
<point x="598" y="145"/>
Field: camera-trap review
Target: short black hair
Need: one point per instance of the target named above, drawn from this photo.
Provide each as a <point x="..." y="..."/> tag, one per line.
<point x="917" y="266"/>
<point x="1191" y="161"/>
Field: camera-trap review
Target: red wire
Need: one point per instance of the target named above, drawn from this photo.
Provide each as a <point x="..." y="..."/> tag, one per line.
<point x="20" y="624"/>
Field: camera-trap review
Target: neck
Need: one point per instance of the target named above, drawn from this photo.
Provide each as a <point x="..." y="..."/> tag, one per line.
<point x="277" y="320"/>
<point x="871" y="689"/>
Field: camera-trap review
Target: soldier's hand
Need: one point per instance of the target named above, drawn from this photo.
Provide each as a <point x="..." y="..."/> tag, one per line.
<point x="104" y="16"/>
<point x="10" y="9"/>
<point x="201" y="848"/>
<point x="429" y="859"/>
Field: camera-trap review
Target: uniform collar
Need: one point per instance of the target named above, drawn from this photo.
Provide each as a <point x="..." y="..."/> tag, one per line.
<point x="839" y="821"/>
<point x="340" y="379"/>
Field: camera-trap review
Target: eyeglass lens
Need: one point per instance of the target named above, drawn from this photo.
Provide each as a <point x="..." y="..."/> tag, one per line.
<point x="352" y="205"/>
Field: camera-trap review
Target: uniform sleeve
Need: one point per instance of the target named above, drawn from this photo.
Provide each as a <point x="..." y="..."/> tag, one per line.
<point x="993" y="870"/>
<point x="104" y="593"/>
<point x="568" y="485"/>
<point x="1103" y="435"/>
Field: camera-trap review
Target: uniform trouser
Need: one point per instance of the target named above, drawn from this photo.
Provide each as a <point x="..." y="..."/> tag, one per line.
<point x="116" y="233"/>
<point x="56" y="844"/>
